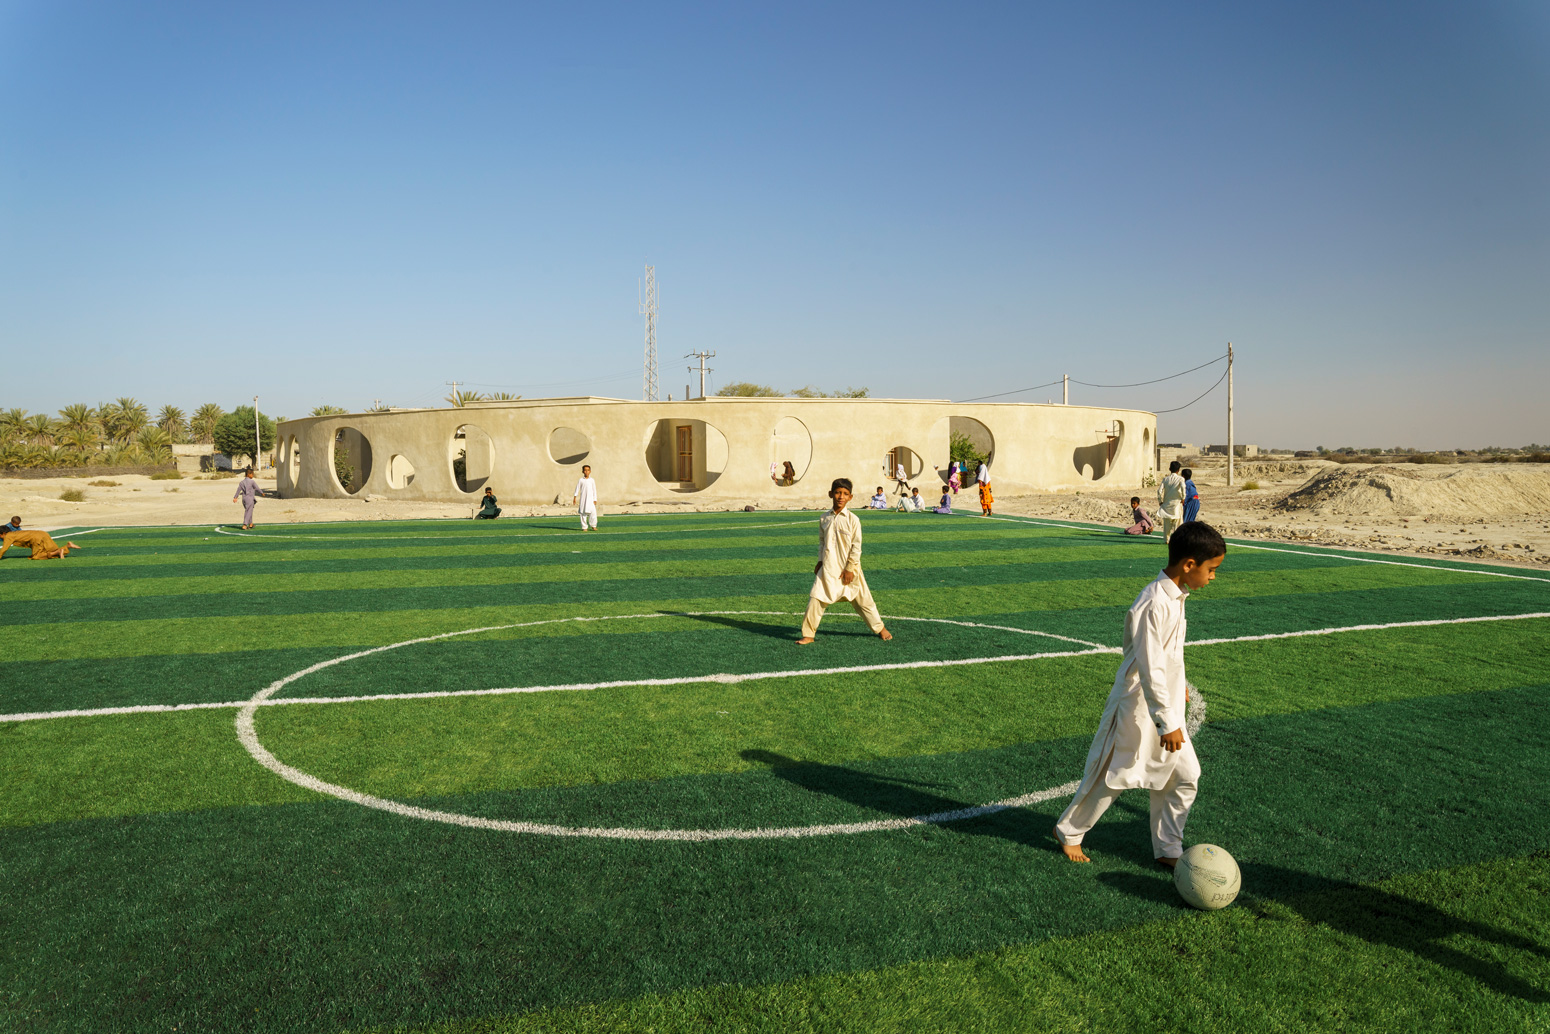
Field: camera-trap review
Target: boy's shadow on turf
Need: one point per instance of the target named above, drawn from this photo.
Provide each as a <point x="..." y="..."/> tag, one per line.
<point x="902" y="797"/>
<point x="744" y="624"/>
<point x="1378" y="917"/>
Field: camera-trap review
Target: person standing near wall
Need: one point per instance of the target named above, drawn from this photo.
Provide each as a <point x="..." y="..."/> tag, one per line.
<point x="248" y="491"/>
<point x="1170" y="500"/>
<point x="585" y="498"/>
<point x="1191" y="496"/>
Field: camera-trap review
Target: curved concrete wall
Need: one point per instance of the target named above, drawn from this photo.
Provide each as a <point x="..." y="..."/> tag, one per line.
<point x="638" y="451"/>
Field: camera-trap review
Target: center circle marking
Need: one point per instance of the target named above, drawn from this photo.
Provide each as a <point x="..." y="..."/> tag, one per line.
<point x="248" y="735"/>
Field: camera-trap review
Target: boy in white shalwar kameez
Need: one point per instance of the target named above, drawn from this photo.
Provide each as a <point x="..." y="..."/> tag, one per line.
<point x="838" y="574"/>
<point x="585" y="498"/>
<point x="1170" y="501"/>
<point x="1141" y="740"/>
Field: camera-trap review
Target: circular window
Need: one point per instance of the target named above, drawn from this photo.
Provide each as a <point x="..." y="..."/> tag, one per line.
<point x="791" y="451"/>
<point x="688" y="454"/>
<point x="352" y="459"/>
<point x="568" y="445"/>
<point x="400" y="472"/>
<point x="472" y="455"/>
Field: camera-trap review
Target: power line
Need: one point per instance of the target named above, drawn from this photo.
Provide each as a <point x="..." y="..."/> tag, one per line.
<point x="1197" y="398"/>
<point x="1159" y="380"/>
<point x="1019" y="391"/>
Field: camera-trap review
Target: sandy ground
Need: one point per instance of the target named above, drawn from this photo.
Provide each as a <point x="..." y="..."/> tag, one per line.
<point x="1495" y="512"/>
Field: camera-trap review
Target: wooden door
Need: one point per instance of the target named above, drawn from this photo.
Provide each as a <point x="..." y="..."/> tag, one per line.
<point x="686" y="453"/>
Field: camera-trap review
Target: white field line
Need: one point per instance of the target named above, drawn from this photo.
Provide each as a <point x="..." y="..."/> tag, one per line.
<point x="552" y="534"/>
<point x="1297" y="552"/>
<point x="725" y="678"/>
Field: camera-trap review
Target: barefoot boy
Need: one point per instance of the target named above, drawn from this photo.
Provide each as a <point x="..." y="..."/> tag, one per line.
<point x="838" y="572"/>
<point x="1140" y="740"/>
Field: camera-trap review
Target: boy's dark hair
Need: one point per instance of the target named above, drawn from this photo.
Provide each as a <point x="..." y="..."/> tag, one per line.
<point x="1135" y="500"/>
<point x="879" y="488"/>
<point x="248" y="471"/>
<point x="1197" y="541"/>
<point x="16" y="521"/>
<point x="1173" y="468"/>
<point x="489" y="491"/>
<point x="842" y="483"/>
<point x="1187" y="473"/>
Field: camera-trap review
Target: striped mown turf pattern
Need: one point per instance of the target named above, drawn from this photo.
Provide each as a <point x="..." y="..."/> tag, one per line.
<point x="1382" y="789"/>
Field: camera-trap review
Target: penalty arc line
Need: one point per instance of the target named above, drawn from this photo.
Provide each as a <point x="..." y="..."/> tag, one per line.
<point x="725" y="678"/>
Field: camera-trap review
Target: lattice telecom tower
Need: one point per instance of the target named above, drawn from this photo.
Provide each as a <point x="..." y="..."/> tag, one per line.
<point x="648" y="309"/>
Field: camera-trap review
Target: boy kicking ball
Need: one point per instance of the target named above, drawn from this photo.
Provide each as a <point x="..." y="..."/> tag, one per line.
<point x="1140" y="740"/>
<point x="838" y="574"/>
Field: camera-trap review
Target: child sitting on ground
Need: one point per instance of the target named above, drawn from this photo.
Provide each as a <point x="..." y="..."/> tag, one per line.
<point x="944" y="504"/>
<point x="1141" y="742"/>
<point x="1142" y="524"/>
<point x="880" y="500"/>
<point x="917" y="504"/>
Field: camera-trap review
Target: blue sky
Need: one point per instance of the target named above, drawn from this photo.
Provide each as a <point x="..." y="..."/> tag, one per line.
<point x="343" y="202"/>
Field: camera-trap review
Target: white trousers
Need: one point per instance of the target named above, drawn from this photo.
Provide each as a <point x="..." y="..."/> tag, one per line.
<point x="1170" y="807"/>
<point x="863" y="604"/>
<point x="586" y="516"/>
<point x="1170" y="525"/>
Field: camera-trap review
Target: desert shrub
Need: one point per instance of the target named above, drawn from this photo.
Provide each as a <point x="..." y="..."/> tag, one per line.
<point x="170" y="488"/>
<point x="166" y="475"/>
<point x="1426" y="457"/>
<point x="1250" y="486"/>
<point x="73" y="495"/>
<point x="1537" y="457"/>
<point x="346" y="473"/>
<point x="102" y="484"/>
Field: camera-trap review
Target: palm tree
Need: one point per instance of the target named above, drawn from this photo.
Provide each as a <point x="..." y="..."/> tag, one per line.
<point x="459" y="399"/>
<point x="41" y="429"/>
<point x="81" y="439"/>
<point x="503" y="396"/>
<point x="132" y="417"/>
<point x="202" y="426"/>
<point x="109" y="417"/>
<point x="154" y="438"/>
<point x="329" y="411"/>
<point x="173" y="422"/>
<point x="78" y="419"/>
<point x="13" y="424"/>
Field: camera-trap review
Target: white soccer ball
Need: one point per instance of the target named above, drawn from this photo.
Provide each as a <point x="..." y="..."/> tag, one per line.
<point x="1207" y="877"/>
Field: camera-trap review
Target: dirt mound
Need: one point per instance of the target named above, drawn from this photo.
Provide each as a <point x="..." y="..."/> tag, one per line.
<point x="1474" y="490"/>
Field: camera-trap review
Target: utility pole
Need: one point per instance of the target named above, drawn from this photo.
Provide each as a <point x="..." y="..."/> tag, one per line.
<point x="258" y="443"/>
<point x="454" y="391"/>
<point x="1065" y="390"/>
<point x="701" y="356"/>
<point x="648" y="309"/>
<point x="1229" y="415"/>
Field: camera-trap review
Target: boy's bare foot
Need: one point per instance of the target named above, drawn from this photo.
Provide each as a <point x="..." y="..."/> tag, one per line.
<point x="885" y="635"/>
<point x="1073" y="852"/>
<point x="1168" y="863"/>
<point x="71" y="545"/>
<point x="804" y="642"/>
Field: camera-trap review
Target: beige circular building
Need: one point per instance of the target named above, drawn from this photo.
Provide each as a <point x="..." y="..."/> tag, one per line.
<point x="771" y="452"/>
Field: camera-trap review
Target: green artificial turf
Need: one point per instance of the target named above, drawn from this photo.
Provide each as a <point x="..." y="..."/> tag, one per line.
<point x="1381" y="788"/>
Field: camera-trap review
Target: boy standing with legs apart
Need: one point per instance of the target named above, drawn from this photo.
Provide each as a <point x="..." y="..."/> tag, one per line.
<point x="1141" y="740"/>
<point x="585" y="498"/>
<point x="838" y="574"/>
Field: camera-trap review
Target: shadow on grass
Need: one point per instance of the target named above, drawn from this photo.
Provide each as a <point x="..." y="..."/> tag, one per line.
<point x="1376" y="916"/>
<point x="905" y="798"/>
<point x="790" y="630"/>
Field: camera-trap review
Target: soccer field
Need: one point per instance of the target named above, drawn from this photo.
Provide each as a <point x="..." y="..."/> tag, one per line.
<point x="510" y="776"/>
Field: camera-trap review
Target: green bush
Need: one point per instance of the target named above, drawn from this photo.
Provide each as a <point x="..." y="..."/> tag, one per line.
<point x="1250" y="486"/>
<point x="102" y="484"/>
<point x="73" y="495"/>
<point x="234" y="433"/>
<point x="166" y="475"/>
<point x="344" y="471"/>
<point x="960" y="447"/>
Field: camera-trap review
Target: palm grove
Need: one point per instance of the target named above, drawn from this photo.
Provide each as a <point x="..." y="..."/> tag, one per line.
<point x="122" y="433"/>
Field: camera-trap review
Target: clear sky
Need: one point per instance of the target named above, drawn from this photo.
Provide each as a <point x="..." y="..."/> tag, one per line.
<point x="342" y="202"/>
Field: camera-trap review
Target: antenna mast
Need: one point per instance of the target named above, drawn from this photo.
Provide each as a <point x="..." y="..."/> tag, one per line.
<point x="648" y="309"/>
